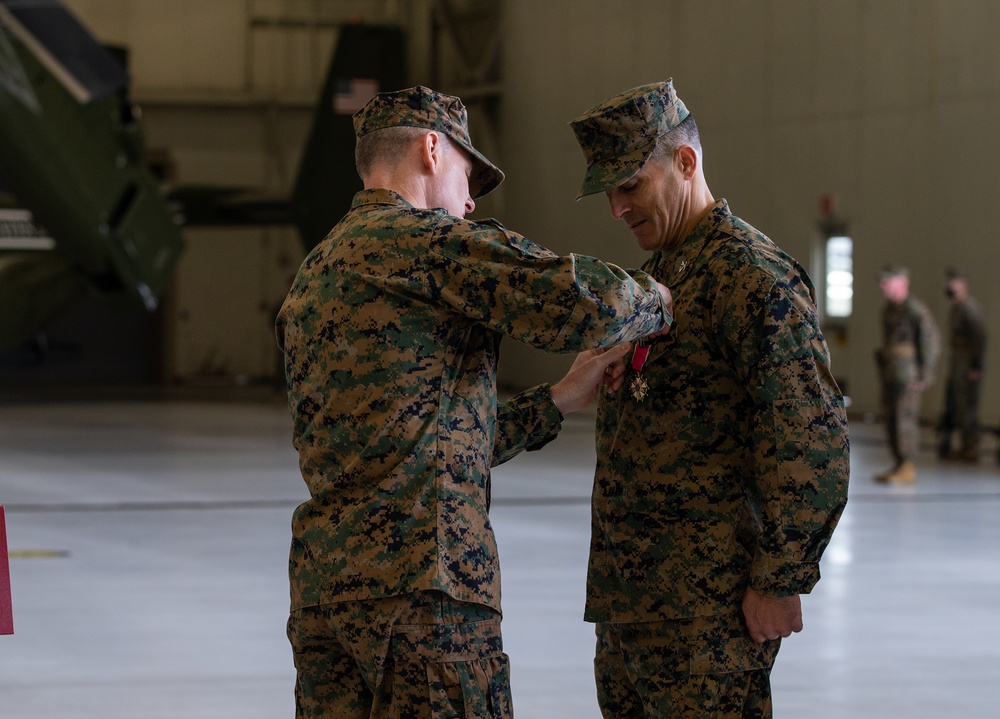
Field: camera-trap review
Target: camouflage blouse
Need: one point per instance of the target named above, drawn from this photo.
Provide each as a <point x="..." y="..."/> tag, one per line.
<point x="909" y="326"/>
<point x="731" y="469"/>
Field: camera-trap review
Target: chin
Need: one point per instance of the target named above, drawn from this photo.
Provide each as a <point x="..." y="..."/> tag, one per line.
<point x="647" y="244"/>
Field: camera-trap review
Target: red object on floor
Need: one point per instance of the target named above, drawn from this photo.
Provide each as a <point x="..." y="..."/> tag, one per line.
<point x="6" y="609"/>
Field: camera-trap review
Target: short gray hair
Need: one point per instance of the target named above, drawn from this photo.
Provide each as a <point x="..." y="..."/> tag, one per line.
<point x="685" y="133"/>
<point x="382" y="145"/>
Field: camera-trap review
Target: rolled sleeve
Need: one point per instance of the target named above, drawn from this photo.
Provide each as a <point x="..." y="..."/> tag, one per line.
<point x="551" y="302"/>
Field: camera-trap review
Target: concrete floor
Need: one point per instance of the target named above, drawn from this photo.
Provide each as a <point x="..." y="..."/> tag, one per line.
<point x="148" y="569"/>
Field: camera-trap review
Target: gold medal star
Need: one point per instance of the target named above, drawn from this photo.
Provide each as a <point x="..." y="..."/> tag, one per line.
<point x="639" y="387"/>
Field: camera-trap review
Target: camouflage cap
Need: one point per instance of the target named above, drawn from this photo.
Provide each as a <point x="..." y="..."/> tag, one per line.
<point x="422" y="107"/>
<point x="618" y="135"/>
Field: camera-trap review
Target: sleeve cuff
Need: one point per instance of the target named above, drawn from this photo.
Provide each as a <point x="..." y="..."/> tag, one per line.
<point x="777" y="578"/>
<point x="538" y="412"/>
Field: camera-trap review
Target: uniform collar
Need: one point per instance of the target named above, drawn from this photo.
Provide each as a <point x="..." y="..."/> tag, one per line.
<point x="676" y="264"/>
<point x="379" y="196"/>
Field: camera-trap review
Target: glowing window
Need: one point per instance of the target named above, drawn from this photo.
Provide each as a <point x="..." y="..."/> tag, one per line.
<point x="839" y="276"/>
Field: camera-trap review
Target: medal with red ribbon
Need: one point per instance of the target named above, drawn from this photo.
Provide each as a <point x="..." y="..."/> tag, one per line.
<point x="638" y="386"/>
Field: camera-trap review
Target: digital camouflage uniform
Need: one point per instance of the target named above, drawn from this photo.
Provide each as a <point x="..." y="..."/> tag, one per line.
<point x="967" y="338"/>
<point x="727" y="468"/>
<point x="391" y="334"/>
<point x="911" y="345"/>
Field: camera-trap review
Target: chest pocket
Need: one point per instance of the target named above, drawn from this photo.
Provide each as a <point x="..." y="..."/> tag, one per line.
<point x="670" y="405"/>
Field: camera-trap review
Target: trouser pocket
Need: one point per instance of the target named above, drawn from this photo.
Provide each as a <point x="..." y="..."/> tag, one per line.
<point x="450" y="670"/>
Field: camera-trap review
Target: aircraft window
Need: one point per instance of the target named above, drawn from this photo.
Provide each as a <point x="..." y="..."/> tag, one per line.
<point x="66" y="43"/>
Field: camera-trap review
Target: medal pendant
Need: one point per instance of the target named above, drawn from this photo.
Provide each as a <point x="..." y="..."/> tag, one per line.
<point x="639" y="387"/>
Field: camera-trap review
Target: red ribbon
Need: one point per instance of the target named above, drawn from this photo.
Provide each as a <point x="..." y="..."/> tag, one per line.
<point x="639" y="356"/>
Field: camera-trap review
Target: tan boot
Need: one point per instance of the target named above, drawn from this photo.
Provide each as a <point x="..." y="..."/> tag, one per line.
<point x="905" y="473"/>
<point x="884" y="476"/>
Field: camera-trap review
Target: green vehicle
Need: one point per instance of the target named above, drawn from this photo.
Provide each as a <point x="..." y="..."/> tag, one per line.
<point x="80" y="210"/>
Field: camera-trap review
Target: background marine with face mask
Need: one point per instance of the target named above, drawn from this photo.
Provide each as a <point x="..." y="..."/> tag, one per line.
<point x="967" y="340"/>
<point x="722" y="465"/>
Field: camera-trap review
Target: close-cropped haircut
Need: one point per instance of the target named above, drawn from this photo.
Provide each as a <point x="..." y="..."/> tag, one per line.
<point x="387" y="144"/>
<point x="685" y="133"/>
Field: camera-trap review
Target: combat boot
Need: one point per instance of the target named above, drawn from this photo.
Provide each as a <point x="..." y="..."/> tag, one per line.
<point x="968" y="453"/>
<point x="905" y="473"/>
<point x="884" y="476"/>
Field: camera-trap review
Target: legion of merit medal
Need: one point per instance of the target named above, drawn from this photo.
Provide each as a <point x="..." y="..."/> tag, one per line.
<point x="638" y="386"/>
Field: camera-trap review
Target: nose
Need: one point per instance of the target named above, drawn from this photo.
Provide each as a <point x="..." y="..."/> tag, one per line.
<point x="616" y="200"/>
<point x="470" y="205"/>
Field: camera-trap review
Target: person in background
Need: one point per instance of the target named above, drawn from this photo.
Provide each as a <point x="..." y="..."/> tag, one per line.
<point x="967" y="339"/>
<point x="390" y="335"/>
<point x="722" y="465"/>
<point x="911" y="345"/>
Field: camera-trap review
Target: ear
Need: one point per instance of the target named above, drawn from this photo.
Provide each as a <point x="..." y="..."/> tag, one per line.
<point x="687" y="161"/>
<point x="431" y="151"/>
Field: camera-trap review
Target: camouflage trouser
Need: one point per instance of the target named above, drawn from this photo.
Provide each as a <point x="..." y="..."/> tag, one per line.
<point x="901" y="407"/>
<point x="962" y="404"/>
<point x="416" y="656"/>
<point x="701" y="668"/>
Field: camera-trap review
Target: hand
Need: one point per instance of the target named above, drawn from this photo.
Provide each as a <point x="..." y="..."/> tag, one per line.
<point x="668" y="302"/>
<point x="589" y="372"/>
<point x="771" y="617"/>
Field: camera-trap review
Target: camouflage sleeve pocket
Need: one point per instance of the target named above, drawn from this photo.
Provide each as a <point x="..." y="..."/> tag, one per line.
<point x="524" y="246"/>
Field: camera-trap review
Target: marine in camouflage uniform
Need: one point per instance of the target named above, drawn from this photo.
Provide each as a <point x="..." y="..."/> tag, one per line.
<point x="910" y="348"/>
<point x="722" y="468"/>
<point x="390" y="336"/>
<point x="967" y="338"/>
